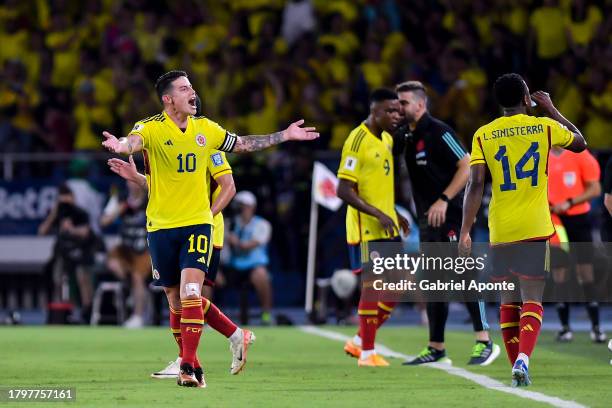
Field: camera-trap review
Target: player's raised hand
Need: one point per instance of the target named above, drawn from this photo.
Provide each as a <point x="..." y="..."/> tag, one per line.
<point x="126" y="170"/>
<point x="543" y="99"/>
<point x="296" y="132"/>
<point x="111" y="143"/>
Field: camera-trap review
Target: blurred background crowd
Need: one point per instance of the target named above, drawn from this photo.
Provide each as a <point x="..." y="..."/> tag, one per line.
<point x="70" y="69"/>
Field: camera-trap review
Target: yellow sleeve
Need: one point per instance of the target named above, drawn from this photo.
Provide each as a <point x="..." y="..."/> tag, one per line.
<point x="350" y="162"/>
<point x="559" y="134"/>
<point x="477" y="155"/>
<point x="143" y="129"/>
<point x="218" y="137"/>
<point x="218" y="165"/>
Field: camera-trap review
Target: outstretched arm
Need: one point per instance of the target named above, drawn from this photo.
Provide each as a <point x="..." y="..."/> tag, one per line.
<point x="125" y="145"/>
<point x="252" y="143"/>
<point x="471" y="205"/>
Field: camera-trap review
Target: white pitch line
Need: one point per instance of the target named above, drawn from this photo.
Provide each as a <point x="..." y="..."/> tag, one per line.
<point x="480" y="379"/>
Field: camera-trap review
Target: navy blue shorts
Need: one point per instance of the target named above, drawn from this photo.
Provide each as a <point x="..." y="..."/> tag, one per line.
<point x="213" y="267"/>
<point x="355" y="253"/>
<point x="175" y="249"/>
<point x="525" y="260"/>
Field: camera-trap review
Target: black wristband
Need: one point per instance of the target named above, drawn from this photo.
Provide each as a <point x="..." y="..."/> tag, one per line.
<point x="444" y="197"/>
<point x="570" y="201"/>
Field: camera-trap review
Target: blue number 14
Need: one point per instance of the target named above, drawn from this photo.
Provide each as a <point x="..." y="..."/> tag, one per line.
<point x="519" y="169"/>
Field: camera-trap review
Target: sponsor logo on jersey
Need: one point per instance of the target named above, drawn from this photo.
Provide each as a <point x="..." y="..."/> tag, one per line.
<point x="155" y="274"/>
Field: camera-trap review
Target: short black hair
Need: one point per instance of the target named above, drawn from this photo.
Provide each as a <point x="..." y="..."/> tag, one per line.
<point x="198" y="106"/>
<point x="63" y="189"/>
<point x="382" y="94"/>
<point x="165" y="81"/>
<point x="509" y="90"/>
<point x="412" y="86"/>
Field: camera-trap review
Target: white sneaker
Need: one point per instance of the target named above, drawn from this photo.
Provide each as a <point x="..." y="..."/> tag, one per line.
<point x="239" y="349"/>
<point x="134" y="322"/>
<point x="598" y="336"/>
<point x="171" y="371"/>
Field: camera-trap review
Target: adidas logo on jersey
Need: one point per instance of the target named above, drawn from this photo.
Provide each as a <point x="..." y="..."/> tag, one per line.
<point x="169" y="143"/>
<point x="202" y="260"/>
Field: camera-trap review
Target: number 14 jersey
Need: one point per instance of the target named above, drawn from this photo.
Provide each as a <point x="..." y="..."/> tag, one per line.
<point x="515" y="149"/>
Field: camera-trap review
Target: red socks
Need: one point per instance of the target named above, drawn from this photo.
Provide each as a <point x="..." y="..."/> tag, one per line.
<point x="530" y="324"/>
<point x="509" y="321"/>
<point x="216" y="319"/>
<point x="175" y="328"/>
<point x="368" y="323"/>
<point x="384" y="311"/>
<point x="192" y="321"/>
<point x="520" y="327"/>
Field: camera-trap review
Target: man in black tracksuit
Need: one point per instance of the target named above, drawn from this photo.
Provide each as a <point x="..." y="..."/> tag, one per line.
<point x="438" y="166"/>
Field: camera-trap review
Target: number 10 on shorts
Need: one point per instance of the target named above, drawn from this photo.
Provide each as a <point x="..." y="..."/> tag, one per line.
<point x="199" y="243"/>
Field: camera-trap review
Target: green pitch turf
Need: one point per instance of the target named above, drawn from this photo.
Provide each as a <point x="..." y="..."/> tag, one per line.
<point x="110" y="367"/>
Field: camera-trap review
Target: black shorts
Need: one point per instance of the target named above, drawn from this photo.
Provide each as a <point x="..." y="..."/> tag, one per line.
<point x="213" y="267"/>
<point x="175" y="249"/>
<point x="447" y="232"/>
<point x="578" y="228"/>
<point x="525" y="260"/>
<point x="356" y="251"/>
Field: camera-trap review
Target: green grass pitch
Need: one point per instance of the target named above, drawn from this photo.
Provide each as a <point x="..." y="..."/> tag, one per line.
<point x="110" y="367"/>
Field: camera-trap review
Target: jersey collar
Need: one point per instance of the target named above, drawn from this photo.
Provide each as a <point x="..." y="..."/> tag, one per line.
<point x="369" y="132"/>
<point x="174" y="125"/>
<point x="423" y="123"/>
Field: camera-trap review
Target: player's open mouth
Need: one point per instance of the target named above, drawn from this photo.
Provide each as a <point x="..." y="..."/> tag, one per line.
<point x="192" y="102"/>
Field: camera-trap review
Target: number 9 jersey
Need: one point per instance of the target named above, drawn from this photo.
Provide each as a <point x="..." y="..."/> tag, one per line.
<point x="368" y="161"/>
<point x="176" y="163"/>
<point x="515" y="149"/>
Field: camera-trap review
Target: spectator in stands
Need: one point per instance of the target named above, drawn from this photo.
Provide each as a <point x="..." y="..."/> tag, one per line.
<point x="130" y="260"/>
<point x="74" y="248"/>
<point x="248" y="238"/>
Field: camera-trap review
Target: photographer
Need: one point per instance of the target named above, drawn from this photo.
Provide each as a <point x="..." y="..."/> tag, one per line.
<point x="73" y="252"/>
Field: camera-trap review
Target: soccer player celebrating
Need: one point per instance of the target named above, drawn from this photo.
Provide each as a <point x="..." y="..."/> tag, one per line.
<point x="515" y="149"/>
<point x="176" y="148"/>
<point x="367" y="186"/>
<point x="220" y="174"/>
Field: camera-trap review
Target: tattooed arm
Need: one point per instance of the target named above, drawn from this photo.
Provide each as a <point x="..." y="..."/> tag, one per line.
<point x="252" y="143"/>
<point x="125" y="145"/>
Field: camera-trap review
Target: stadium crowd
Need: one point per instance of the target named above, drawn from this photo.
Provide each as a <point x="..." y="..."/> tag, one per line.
<point x="69" y="71"/>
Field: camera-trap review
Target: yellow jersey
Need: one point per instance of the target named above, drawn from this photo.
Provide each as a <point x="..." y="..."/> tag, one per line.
<point x="515" y="149"/>
<point x="176" y="168"/>
<point x="368" y="161"/>
<point x="217" y="167"/>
